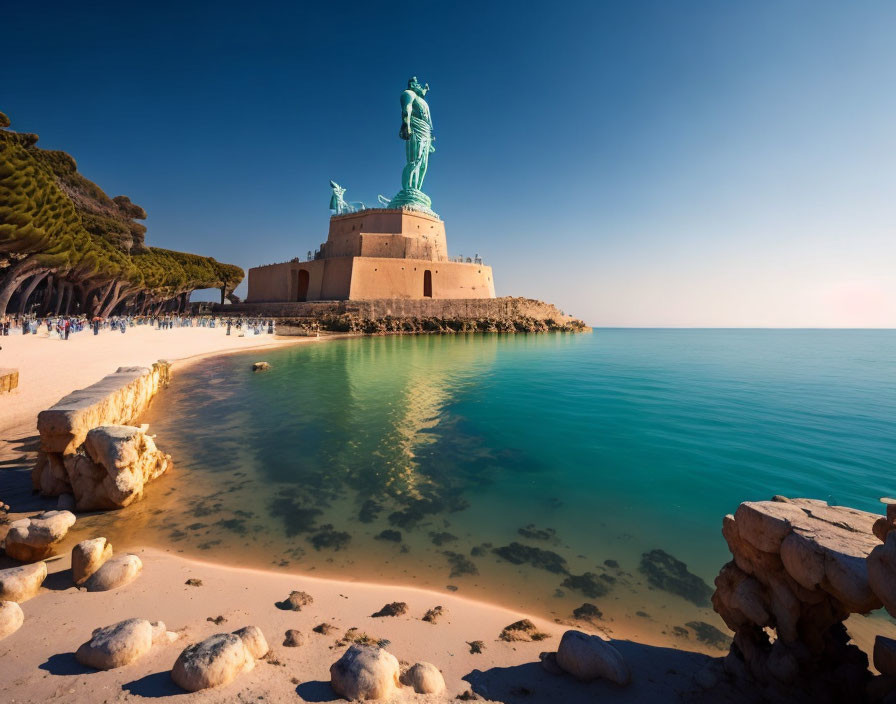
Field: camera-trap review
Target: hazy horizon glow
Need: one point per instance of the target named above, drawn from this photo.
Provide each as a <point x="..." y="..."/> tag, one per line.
<point x="639" y="164"/>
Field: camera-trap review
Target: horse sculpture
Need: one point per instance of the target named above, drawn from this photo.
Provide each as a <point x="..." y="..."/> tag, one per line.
<point x="338" y="204"/>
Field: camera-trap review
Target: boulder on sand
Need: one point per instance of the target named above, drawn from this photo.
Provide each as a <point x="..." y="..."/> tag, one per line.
<point x="214" y="662"/>
<point x="425" y="678"/>
<point x="88" y="556"/>
<point x="121" y="643"/>
<point x="115" y="572"/>
<point x="365" y="672"/>
<point x="588" y="657"/>
<point x="33" y="539"/>
<point x="11" y="618"/>
<point x="21" y="583"/>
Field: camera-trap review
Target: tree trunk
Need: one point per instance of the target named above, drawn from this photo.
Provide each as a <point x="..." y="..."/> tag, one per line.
<point x="223" y="294"/>
<point x="60" y="291"/>
<point x="69" y="294"/>
<point x="48" y="296"/>
<point x="116" y="297"/>
<point x="13" y="279"/>
<point x="101" y="299"/>
<point x="23" y="304"/>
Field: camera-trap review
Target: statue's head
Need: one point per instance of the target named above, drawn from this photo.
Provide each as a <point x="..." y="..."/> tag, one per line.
<point x="414" y="85"/>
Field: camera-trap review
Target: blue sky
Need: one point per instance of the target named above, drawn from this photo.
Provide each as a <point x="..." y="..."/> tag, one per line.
<point x="637" y="163"/>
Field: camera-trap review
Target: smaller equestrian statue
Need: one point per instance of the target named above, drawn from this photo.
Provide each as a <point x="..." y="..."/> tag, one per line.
<point x="338" y="204"/>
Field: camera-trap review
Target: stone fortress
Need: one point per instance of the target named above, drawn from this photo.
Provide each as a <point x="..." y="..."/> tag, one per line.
<point x="374" y="254"/>
<point x="396" y="252"/>
<point x="387" y="269"/>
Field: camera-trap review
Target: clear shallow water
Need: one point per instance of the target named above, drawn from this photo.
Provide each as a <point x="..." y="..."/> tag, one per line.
<point x="609" y="445"/>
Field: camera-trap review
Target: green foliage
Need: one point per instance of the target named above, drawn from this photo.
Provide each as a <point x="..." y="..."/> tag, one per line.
<point x="65" y="222"/>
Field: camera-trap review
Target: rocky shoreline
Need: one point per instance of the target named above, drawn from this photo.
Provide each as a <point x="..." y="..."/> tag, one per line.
<point x="398" y="316"/>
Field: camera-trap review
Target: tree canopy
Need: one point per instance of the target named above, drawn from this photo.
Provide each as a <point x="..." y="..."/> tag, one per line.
<point x="53" y="219"/>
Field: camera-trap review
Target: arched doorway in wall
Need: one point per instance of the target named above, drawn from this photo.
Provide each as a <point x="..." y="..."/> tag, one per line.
<point x="427" y="284"/>
<point x="304" y="277"/>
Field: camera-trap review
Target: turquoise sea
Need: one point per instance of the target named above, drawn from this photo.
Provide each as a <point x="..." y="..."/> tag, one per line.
<point x="502" y="465"/>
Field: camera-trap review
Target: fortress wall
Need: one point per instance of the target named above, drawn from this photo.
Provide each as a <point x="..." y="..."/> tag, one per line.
<point x="337" y="278"/>
<point x="271" y="283"/>
<point x="377" y="278"/>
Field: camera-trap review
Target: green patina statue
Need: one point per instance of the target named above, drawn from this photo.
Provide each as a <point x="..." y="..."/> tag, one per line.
<point x="416" y="130"/>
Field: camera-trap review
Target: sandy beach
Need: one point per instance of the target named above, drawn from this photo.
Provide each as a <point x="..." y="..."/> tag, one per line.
<point x="37" y="663"/>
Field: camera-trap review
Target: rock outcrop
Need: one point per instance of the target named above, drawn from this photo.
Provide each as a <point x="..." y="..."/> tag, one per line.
<point x="21" y="583"/>
<point x="365" y="672"/>
<point x="114" y="573"/>
<point x="88" y="556"/>
<point x="799" y="570"/>
<point x="427" y="315"/>
<point x="11" y="618"/>
<point x="218" y="660"/>
<point x="32" y="539"/>
<point x="120" y="461"/>
<point x="102" y="468"/>
<point x="122" y="643"/>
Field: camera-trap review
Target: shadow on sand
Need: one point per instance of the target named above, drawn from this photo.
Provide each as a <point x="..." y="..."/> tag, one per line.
<point x="17" y="457"/>
<point x="659" y="675"/>
<point x="317" y="691"/>
<point x="64" y="664"/>
<point x="154" y="686"/>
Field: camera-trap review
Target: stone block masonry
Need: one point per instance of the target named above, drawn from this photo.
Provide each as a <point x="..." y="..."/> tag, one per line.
<point x="117" y="399"/>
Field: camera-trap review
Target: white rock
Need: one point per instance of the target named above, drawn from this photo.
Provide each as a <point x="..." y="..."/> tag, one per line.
<point x="116" y="645"/>
<point x="214" y="662"/>
<point x="425" y="678"/>
<point x="88" y="556"/>
<point x="365" y="672"/>
<point x="588" y="657"/>
<point x="32" y="539"/>
<point x="254" y="641"/>
<point x="120" y="461"/>
<point x="116" y="572"/>
<point x="21" y="583"/>
<point x="11" y="618"/>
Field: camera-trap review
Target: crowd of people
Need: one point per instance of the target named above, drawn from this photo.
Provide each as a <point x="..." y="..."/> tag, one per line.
<point x="62" y="327"/>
